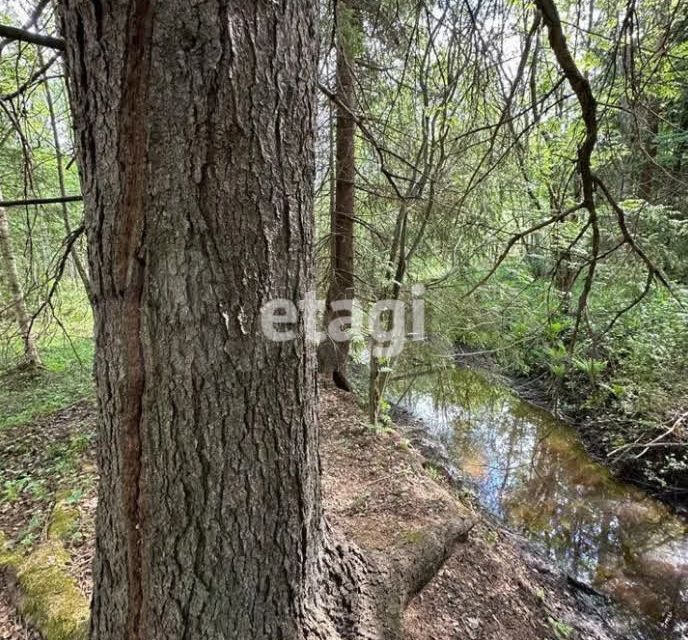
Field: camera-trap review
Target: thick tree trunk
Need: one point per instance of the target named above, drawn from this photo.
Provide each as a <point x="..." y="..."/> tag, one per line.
<point x="194" y="125"/>
<point x="10" y="275"/>
<point x="334" y="355"/>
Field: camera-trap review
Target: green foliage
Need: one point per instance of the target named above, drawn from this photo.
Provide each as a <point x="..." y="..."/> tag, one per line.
<point x="67" y="354"/>
<point x="561" y="630"/>
<point x="26" y="395"/>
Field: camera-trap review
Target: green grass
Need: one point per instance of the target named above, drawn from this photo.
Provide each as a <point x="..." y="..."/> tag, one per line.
<point x="65" y="379"/>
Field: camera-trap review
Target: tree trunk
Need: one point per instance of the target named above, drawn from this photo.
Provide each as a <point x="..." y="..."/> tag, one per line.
<point x="194" y="124"/>
<point x="59" y="159"/>
<point x="649" y="130"/>
<point x="9" y="272"/>
<point x="334" y="355"/>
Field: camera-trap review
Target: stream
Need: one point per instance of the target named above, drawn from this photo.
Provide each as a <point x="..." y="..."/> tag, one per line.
<point x="530" y="471"/>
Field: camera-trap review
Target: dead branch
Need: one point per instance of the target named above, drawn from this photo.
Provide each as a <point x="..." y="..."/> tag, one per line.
<point x="655" y="442"/>
<point x="21" y="35"/>
<point x="31" y="22"/>
<point x="68" y="244"/>
<point x="40" y="201"/>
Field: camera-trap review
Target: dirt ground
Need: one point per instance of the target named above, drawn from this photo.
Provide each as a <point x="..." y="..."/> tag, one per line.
<point x="11" y="626"/>
<point x="377" y="489"/>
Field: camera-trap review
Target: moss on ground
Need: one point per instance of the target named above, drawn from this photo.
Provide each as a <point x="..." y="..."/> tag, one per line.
<point x="64" y="520"/>
<point x="49" y="597"/>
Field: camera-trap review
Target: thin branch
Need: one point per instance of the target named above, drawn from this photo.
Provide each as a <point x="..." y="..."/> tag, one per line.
<point x="519" y="236"/>
<point x="34" y="76"/>
<point x="371" y="138"/>
<point x="39" y="201"/>
<point x="62" y="262"/>
<point x="625" y="232"/>
<point x="31" y="22"/>
<point x="634" y="303"/>
<point x="21" y="35"/>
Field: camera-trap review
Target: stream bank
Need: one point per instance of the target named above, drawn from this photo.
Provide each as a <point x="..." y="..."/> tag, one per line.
<point x="379" y="488"/>
<point x="531" y="474"/>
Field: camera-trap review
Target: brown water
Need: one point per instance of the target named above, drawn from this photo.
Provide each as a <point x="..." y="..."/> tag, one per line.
<point x="529" y="470"/>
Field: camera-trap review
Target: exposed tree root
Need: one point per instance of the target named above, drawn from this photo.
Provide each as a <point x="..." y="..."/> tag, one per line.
<point x="362" y="596"/>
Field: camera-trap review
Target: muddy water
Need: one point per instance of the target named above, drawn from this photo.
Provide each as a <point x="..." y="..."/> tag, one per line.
<point x="530" y="471"/>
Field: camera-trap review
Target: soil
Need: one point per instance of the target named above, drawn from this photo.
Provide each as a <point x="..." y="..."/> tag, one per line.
<point x="40" y="459"/>
<point x="378" y="489"/>
<point x="11" y="625"/>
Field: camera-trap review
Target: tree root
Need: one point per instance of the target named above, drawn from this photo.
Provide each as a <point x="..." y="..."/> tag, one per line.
<point x="363" y="596"/>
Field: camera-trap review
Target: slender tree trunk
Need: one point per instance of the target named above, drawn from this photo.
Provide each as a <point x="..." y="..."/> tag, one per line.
<point x="380" y="369"/>
<point x="9" y="272"/>
<point x="59" y="158"/>
<point x="648" y="142"/>
<point x="334" y="355"/>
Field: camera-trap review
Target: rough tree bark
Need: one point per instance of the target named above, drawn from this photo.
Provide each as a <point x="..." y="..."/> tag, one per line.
<point x="10" y="275"/>
<point x="334" y="355"/>
<point x="194" y="126"/>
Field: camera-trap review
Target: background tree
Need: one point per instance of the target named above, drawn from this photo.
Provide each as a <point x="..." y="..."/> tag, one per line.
<point x="17" y="302"/>
<point x="334" y="355"/>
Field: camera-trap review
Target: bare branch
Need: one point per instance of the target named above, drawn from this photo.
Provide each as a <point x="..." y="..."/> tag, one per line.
<point x="39" y="201"/>
<point x="21" y="35"/>
<point x="625" y="232"/>
<point x="31" y="22"/>
<point x="519" y="236"/>
<point x="34" y="76"/>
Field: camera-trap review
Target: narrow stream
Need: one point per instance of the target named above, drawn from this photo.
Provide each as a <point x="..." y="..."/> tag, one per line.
<point x="531" y="472"/>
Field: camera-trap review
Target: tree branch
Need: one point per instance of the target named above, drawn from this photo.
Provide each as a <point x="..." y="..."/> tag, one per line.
<point x="34" y="76"/>
<point x="13" y="33"/>
<point x="38" y="201"/>
<point x="581" y="86"/>
<point x="519" y="236"/>
<point x="69" y="242"/>
<point x="31" y="22"/>
<point x="371" y="138"/>
<point x="625" y="232"/>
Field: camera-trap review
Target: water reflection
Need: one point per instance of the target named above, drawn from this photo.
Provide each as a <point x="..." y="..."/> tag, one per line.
<point x="530" y="470"/>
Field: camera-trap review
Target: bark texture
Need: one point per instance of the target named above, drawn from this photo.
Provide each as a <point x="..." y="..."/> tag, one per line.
<point x="194" y="127"/>
<point x="11" y="276"/>
<point x="194" y="124"/>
